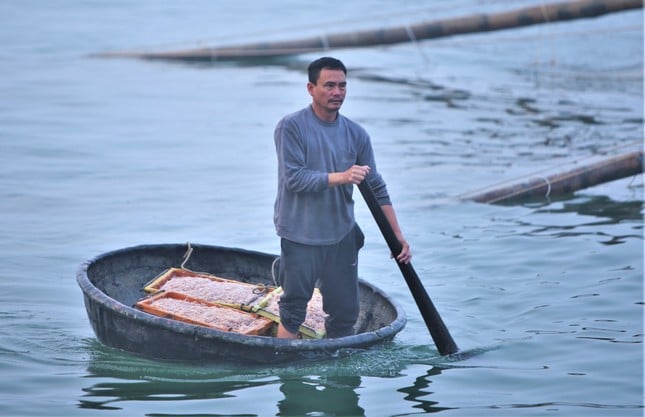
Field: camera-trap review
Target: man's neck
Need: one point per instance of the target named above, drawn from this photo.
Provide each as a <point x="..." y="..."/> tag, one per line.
<point x="324" y="115"/>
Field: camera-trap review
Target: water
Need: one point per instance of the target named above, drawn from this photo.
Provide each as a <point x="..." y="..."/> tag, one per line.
<point x="544" y="299"/>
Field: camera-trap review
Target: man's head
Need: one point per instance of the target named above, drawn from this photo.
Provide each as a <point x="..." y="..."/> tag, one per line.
<point x="324" y="63"/>
<point x="327" y="87"/>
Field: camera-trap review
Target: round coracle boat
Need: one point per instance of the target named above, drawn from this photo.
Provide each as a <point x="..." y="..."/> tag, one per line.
<point x="120" y="287"/>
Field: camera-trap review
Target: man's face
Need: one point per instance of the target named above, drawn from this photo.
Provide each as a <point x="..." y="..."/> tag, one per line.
<point x="329" y="92"/>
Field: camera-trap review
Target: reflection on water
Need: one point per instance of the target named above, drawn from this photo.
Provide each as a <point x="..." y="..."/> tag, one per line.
<point x="104" y="395"/>
<point x="321" y="395"/>
<point x="326" y="395"/>
<point x="592" y="211"/>
<point x="327" y="388"/>
<point x="601" y="206"/>
<point x="130" y="377"/>
<point x="418" y="392"/>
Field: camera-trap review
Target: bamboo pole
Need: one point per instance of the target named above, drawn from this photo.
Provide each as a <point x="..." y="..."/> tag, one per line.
<point x="610" y="169"/>
<point x="543" y="13"/>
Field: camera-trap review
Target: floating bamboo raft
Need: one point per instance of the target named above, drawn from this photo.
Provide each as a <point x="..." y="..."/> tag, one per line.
<point x="544" y="13"/>
<point x="610" y="169"/>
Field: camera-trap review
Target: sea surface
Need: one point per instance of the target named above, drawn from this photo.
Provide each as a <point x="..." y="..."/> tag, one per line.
<point x="544" y="298"/>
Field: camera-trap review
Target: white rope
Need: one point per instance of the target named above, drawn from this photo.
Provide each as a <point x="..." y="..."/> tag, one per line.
<point x="324" y="41"/>
<point x="413" y="39"/>
<point x="189" y="252"/>
<point x="548" y="186"/>
<point x="631" y="182"/>
<point x="275" y="261"/>
<point x="410" y="33"/>
<point x="213" y="54"/>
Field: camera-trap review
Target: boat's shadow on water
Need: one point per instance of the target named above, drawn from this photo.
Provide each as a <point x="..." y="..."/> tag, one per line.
<point x="327" y="386"/>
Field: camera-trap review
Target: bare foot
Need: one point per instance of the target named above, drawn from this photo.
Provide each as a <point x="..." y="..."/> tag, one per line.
<point x="284" y="333"/>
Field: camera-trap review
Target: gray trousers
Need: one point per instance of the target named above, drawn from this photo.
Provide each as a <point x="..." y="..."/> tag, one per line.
<point x="335" y="268"/>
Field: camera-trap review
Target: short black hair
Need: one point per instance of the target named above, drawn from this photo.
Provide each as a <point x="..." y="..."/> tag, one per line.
<point x="324" y="63"/>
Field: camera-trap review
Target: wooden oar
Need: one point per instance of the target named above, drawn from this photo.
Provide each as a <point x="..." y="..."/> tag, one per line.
<point x="442" y="339"/>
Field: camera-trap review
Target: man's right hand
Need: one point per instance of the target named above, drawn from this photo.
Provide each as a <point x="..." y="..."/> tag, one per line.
<point x="354" y="175"/>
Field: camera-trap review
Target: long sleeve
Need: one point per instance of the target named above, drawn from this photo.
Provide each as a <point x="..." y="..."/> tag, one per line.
<point x="307" y="210"/>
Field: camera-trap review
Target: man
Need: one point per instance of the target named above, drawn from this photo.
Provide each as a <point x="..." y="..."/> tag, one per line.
<point x="321" y="155"/>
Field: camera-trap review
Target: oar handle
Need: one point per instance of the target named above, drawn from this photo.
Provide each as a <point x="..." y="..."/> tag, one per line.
<point x="438" y="330"/>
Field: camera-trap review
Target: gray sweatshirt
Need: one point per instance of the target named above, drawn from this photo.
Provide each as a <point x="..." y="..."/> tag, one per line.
<point x="307" y="210"/>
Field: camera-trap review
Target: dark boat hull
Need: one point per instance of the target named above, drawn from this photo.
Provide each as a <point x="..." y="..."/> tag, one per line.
<point x="113" y="282"/>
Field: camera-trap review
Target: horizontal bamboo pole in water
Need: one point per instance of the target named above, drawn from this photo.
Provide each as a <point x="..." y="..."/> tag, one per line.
<point x="543" y="13"/>
<point x="611" y="169"/>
